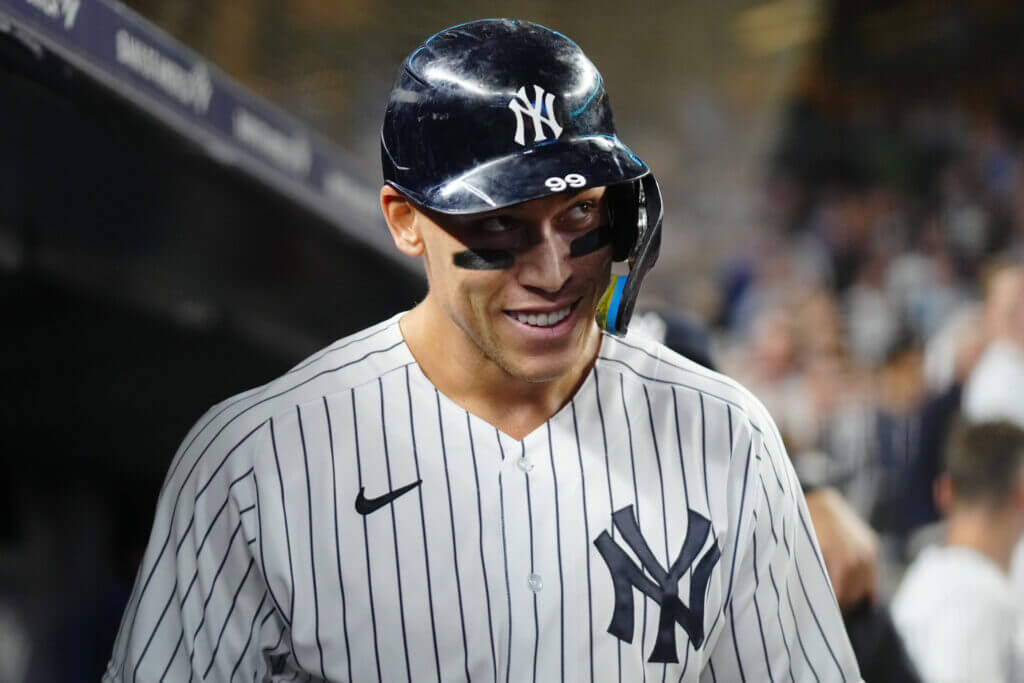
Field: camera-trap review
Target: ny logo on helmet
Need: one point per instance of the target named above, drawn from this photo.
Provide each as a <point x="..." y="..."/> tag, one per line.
<point x="541" y="110"/>
<point x="664" y="589"/>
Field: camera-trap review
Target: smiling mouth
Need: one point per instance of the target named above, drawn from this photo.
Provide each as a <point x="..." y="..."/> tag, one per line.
<point x="543" y="319"/>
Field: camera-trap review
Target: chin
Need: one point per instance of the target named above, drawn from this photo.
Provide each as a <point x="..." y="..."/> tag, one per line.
<point x="538" y="378"/>
<point x="545" y="363"/>
<point x="537" y="372"/>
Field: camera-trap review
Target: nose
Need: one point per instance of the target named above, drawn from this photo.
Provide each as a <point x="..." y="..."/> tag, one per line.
<point x="544" y="266"/>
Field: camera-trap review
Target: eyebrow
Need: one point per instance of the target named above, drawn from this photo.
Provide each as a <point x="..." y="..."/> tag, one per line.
<point x="464" y="220"/>
<point x="569" y="197"/>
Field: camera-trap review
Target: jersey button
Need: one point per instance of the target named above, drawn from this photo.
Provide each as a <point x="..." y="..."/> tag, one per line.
<point x="524" y="464"/>
<point x="535" y="582"/>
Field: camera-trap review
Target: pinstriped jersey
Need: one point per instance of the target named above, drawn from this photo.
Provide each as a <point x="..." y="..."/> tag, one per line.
<point x="349" y="522"/>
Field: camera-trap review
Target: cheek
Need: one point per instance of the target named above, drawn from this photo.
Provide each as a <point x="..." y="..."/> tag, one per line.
<point x="473" y="290"/>
<point x="595" y="266"/>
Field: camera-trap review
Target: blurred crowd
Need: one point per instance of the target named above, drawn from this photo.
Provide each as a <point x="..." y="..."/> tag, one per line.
<point x="878" y="312"/>
<point x="884" y="267"/>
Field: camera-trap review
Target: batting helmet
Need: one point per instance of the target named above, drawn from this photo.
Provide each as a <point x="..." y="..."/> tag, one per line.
<point x="497" y="112"/>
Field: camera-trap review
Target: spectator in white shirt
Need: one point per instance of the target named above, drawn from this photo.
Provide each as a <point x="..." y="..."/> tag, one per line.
<point x="992" y="390"/>
<point x="956" y="608"/>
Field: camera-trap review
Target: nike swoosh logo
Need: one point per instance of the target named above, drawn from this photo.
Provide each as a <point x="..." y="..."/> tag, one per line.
<point x="365" y="506"/>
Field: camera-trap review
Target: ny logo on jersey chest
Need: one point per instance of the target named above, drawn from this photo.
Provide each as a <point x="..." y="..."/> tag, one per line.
<point x="664" y="588"/>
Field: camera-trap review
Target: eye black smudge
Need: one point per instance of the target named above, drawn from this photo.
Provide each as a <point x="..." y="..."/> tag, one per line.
<point x="591" y="241"/>
<point x="483" y="259"/>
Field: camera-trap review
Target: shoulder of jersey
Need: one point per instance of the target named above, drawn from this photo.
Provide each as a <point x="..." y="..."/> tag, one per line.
<point x="653" y="362"/>
<point x="353" y="360"/>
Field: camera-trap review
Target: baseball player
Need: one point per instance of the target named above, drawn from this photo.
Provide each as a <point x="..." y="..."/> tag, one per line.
<point x="497" y="485"/>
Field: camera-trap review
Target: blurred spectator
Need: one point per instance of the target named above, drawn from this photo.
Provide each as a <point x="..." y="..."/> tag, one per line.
<point x="848" y="546"/>
<point x="871" y="316"/>
<point x="854" y="314"/>
<point x="993" y="388"/>
<point x="956" y="608"/>
<point x="771" y="371"/>
<point x="898" y="389"/>
<point x="950" y="353"/>
<point x="950" y="357"/>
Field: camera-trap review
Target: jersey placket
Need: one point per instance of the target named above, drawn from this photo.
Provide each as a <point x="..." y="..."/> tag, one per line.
<point x="527" y="486"/>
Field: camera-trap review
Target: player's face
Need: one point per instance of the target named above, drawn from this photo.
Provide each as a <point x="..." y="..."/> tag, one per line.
<point x="522" y="283"/>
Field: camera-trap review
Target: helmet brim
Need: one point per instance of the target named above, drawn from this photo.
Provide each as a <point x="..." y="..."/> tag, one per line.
<point x="536" y="172"/>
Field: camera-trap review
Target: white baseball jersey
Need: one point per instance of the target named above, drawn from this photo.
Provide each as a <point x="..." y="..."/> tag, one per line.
<point x="349" y="522"/>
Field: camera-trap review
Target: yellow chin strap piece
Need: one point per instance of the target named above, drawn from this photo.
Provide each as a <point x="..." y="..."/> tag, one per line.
<point x="610" y="304"/>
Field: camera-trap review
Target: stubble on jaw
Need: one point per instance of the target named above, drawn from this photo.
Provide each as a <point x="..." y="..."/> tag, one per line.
<point x="492" y="352"/>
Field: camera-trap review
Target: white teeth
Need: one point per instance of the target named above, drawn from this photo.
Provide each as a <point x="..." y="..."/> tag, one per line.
<point x="543" y="319"/>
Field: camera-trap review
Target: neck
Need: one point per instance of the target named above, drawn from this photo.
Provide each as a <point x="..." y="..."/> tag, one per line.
<point x="986" y="531"/>
<point x="460" y="370"/>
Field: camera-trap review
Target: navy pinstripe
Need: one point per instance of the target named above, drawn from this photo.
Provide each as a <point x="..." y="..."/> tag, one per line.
<point x="533" y="569"/>
<point x="608" y="472"/>
<point x="423" y="527"/>
<point x="451" y="517"/>
<point x="483" y="561"/>
<point x="504" y="554"/>
<point x="366" y="540"/>
<point x="312" y="553"/>
<point x="586" y="528"/>
<point x="337" y="537"/>
<point x="394" y="530"/>
<point x="636" y="503"/>
<point x="558" y="553"/>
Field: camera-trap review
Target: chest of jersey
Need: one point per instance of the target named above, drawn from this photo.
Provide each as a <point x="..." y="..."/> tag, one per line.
<point x="427" y="545"/>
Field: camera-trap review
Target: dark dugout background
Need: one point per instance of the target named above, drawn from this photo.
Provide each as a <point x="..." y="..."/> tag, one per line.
<point x="145" y="273"/>
<point x="152" y="266"/>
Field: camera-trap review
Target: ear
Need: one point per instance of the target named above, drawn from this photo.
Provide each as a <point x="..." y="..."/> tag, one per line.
<point x="401" y="214"/>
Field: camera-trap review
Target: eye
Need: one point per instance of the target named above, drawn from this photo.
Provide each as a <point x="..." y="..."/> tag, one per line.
<point x="495" y="226"/>
<point x="582" y="211"/>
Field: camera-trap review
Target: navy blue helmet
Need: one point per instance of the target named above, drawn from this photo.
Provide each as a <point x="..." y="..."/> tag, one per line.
<point x="497" y="112"/>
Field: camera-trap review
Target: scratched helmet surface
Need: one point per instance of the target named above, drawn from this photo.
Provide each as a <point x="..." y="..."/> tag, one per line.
<point x="496" y="112"/>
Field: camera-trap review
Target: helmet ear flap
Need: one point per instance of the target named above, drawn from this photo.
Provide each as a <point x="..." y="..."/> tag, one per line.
<point x="636" y="219"/>
<point x="624" y="207"/>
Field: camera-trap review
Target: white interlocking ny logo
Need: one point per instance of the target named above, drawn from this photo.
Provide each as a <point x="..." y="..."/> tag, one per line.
<point x="520" y="104"/>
